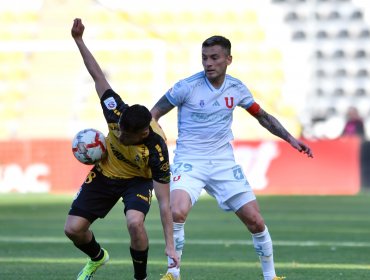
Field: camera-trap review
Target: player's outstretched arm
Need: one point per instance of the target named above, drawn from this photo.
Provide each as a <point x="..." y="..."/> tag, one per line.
<point x="162" y="192"/>
<point x="101" y="84"/>
<point x="162" y="107"/>
<point x="275" y="127"/>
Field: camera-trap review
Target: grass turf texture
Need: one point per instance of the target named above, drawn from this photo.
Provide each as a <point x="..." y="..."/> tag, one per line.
<point x="315" y="237"/>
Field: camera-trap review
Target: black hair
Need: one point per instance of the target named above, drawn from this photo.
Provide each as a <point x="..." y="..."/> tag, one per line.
<point x="218" y="41"/>
<point x="135" y="118"/>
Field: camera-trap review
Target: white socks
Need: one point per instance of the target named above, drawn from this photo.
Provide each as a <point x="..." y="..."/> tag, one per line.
<point x="179" y="240"/>
<point x="263" y="246"/>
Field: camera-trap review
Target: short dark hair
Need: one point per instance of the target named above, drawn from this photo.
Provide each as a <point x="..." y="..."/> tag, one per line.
<point x="135" y="118"/>
<point x="218" y="40"/>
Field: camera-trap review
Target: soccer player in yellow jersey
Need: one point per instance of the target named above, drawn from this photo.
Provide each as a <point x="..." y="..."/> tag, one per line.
<point x="136" y="162"/>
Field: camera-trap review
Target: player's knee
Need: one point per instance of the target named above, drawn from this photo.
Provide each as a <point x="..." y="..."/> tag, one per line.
<point x="250" y="215"/>
<point x="135" y="227"/>
<point x="260" y="224"/>
<point x="138" y="234"/>
<point x="178" y="216"/>
<point x="71" y="232"/>
<point x="256" y="227"/>
<point x="255" y="223"/>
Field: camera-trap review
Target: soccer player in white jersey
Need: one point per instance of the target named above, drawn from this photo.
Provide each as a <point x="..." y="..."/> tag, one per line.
<point x="204" y="157"/>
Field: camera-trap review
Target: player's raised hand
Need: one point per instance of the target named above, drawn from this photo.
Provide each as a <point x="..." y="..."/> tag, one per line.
<point x="77" y="28"/>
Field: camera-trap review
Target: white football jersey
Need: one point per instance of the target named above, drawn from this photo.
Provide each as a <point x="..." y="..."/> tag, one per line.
<point x="205" y="115"/>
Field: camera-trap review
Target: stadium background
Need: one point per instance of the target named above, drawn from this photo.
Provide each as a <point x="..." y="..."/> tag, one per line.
<point x="304" y="61"/>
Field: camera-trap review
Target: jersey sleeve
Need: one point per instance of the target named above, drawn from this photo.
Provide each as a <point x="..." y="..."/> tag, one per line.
<point x="177" y="94"/>
<point x="246" y="98"/>
<point x="112" y="106"/>
<point x="159" y="161"/>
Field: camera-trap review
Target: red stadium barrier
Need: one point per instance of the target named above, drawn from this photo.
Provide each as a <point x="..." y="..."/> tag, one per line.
<point x="272" y="167"/>
<point x="277" y="168"/>
<point x="40" y="166"/>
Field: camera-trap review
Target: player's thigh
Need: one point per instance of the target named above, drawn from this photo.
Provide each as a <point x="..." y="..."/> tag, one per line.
<point x="227" y="180"/>
<point x="95" y="198"/>
<point x="238" y="201"/>
<point x="189" y="177"/>
<point x="137" y="195"/>
<point x="180" y="205"/>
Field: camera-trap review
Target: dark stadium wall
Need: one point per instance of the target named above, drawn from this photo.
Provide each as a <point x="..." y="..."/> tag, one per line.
<point x="365" y="165"/>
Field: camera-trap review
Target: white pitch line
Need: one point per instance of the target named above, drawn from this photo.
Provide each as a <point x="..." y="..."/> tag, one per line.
<point x="23" y="239"/>
<point x="228" y="264"/>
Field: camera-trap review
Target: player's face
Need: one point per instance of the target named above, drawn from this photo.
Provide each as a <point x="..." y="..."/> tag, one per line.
<point x="215" y="61"/>
<point x="133" y="138"/>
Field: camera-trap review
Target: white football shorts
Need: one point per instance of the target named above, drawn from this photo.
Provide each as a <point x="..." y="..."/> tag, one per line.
<point x="222" y="179"/>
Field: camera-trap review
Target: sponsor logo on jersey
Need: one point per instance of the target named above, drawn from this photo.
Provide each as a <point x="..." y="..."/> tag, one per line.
<point x="216" y="104"/>
<point x="121" y="157"/>
<point x="110" y="103"/>
<point x="201" y="103"/>
<point x="217" y="117"/>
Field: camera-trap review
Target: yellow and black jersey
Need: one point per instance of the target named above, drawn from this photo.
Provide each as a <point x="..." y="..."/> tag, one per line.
<point x="148" y="160"/>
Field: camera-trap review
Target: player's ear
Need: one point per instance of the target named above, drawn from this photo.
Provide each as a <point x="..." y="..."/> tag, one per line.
<point x="229" y="59"/>
<point x="145" y="132"/>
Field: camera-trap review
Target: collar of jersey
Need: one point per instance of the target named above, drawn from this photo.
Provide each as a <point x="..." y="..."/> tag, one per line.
<point x="215" y="90"/>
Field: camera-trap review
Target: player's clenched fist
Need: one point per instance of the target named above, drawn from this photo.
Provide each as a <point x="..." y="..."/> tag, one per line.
<point x="77" y="28"/>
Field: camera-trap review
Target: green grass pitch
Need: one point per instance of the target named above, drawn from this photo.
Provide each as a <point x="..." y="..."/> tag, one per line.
<point x="315" y="237"/>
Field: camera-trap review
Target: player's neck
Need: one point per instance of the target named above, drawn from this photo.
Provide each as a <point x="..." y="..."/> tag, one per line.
<point x="217" y="83"/>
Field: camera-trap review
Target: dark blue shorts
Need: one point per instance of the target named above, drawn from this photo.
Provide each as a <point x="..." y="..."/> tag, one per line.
<point x="99" y="194"/>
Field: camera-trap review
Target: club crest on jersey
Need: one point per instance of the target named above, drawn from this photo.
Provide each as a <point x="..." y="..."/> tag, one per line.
<point x="110" y="103"/>
<point x="201" y="103"/>
<point x="229" y="104"/>
<point x="165" y="167"/>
